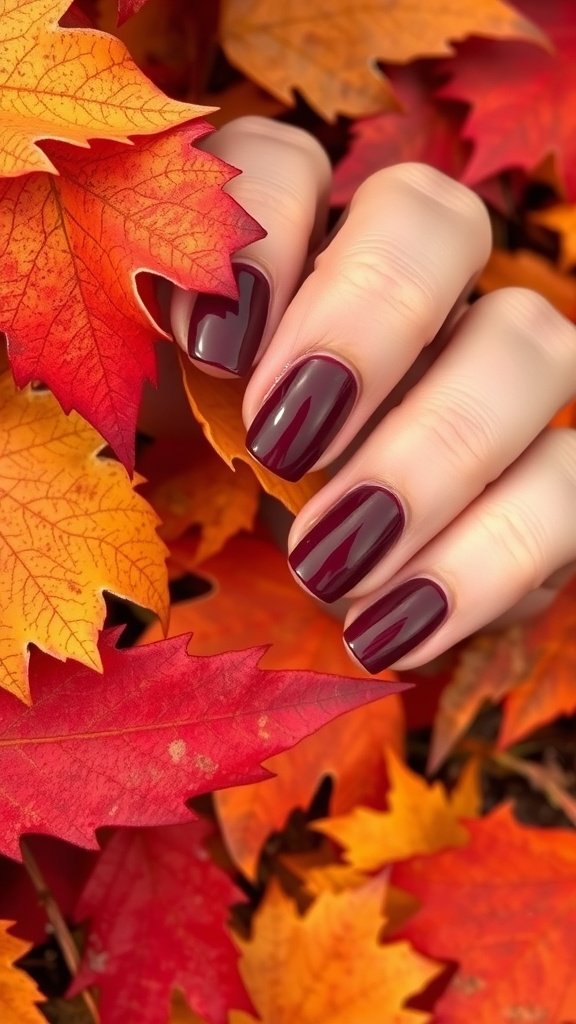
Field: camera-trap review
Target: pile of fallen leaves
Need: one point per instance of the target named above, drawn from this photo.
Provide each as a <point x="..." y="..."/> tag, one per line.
<point x="207" y="812"/>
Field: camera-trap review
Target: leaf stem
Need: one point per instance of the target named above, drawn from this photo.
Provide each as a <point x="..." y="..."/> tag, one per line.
<point x="61" y="930"/>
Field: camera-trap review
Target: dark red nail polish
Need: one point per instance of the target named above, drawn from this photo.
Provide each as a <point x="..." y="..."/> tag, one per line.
<point x="302" y="416"/>
<point x="396" y="623"/>
<point x="348" y="541"/>
<point x="227" y="332"/>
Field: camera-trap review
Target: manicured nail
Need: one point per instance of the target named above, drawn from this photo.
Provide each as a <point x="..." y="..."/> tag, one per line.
<point x="227" y="332"/>
<point x="348" y="541"/>
<point x="399" y="621"/>
<point x="302" y="415"/>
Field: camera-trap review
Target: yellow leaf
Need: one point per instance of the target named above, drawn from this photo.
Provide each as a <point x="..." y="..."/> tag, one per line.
<point x="71" y="527"/>
<point x="18" y="993"/>
<point x="422" y="819"/>
<point x="329" y="51"/>
<point x="328" y="966"/>
<point x="561" y="218"/>
<point x="217" y="405"/>
<point x="72" y="84"/>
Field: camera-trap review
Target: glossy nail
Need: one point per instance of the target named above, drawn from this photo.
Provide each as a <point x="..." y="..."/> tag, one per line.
<point x="302" y="416"/>
<point x="348" y="541"/>
<point x="227" y="332"/>
<point x="399" y="621"/>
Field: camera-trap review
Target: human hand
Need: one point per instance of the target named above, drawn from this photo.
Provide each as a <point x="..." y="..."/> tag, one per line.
<point x="451" y="503"/>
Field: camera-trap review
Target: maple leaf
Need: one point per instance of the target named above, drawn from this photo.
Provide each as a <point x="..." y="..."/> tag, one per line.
<point x="71" y="249"/>
<point x="158" y="909"/>
<point x="421" y="818"/>
<point x="18" y="993"/>
<point x="348" y="750"/>
<point x="159" y="726"/>
<point x="72" y="84"/>
<point x="328" y="965"/>
<point x="531" y="665"/>
<point x="206" y="493"/>
<point x="71" y="527"/>
<point x="128" y="8"/>
<point x="562" y="219"/>
<point x="526" y="269"/>
<point x="505" y="907"/>
<point x="217" y="405"/>
<point x="522" y="97"/>
<point x="423" y="130"/>
<point x="328" y="51"/>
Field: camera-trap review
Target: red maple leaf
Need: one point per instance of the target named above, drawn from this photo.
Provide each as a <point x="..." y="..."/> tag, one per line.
<point x="158" y="908"/>
<point x="523" y="97"/>
<point x="159" y="726"/>
<point x="424" y="129"/>
<point x="504" y="907"/>
<point x="72" y="245"/>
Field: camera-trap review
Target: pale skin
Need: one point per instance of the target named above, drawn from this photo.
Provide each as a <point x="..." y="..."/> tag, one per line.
<point x="452" y="402"/>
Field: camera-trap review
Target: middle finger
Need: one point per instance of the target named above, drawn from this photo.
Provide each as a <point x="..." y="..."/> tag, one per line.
<point x="412" y="242"/>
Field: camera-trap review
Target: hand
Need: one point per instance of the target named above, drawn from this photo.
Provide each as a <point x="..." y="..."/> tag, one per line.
<point x="451" y="502"/>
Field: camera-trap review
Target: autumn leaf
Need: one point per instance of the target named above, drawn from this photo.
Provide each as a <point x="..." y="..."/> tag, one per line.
<point x="198" y="489"/>
<point x="531" y="665"/>
<point x="328" y="51"/>
<point x="72" y="247"/>
<point x="328" y="965"/>
<point x="522" y="97"/>
<point x="349" y="750"/>
<point x="562" y="219"/>
<point x="421" y="818"/>
<point x="71" y="528"/>
<point x="217" y="405"/>
<point x="302" y="635"/>
<point x="157" y="722"/>
<point x="72" y="84"/>
<point x="18" y="993"/>
<point x="525" y="269"/>
<point x="424" y="130"/>
<point x="157" y="909"/>
<point x="504" y="907"/>
<point x="128" y="8"/>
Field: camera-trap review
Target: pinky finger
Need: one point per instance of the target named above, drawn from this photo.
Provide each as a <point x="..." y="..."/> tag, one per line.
<point x="504" y="546"/>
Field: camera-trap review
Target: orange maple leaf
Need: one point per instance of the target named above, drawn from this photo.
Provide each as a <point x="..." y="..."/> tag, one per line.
<point x="18" y="993"/>
<point x="526" y="269"/>
<point x="421" y="818"/>
<point x="328" y="966"/>
<point x="205" y="493"/>
<point x="217" y="405"/>
<point x="531" y="665"/>
<point x="349" y="750"/>
<point x="72" y="84"/>
<point x="71" y="527"/>
<point x="562" y="219"/>
<point x="72" y="247"/>
<point x="505" y="908"/>
<point x="328" y="51"/>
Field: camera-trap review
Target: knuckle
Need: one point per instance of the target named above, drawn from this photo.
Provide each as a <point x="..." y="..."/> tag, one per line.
<point x="288" y="135"/>
<point x="439" y="188"/>
<point x="518" y="539"/>
<point x="269" y="201"/>
<point x="461" y="430"/>
<point x="386" y="280"/>
<point x="562" y="442"/>
<point x="539" y="323"/>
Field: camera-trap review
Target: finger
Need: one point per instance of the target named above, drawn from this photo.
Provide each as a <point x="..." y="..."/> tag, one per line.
<point x="284" y="186"/>
<point x="379" y="293"/>
<point x="508" y="368"/>
<point x="502" y="547"/>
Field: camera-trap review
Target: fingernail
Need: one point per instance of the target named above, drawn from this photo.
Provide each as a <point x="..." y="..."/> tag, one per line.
<point x="227" y="332"/>
<point x="399" y="621"/>
<point x="348" y="541"/>
<point x="302" y="415"/>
